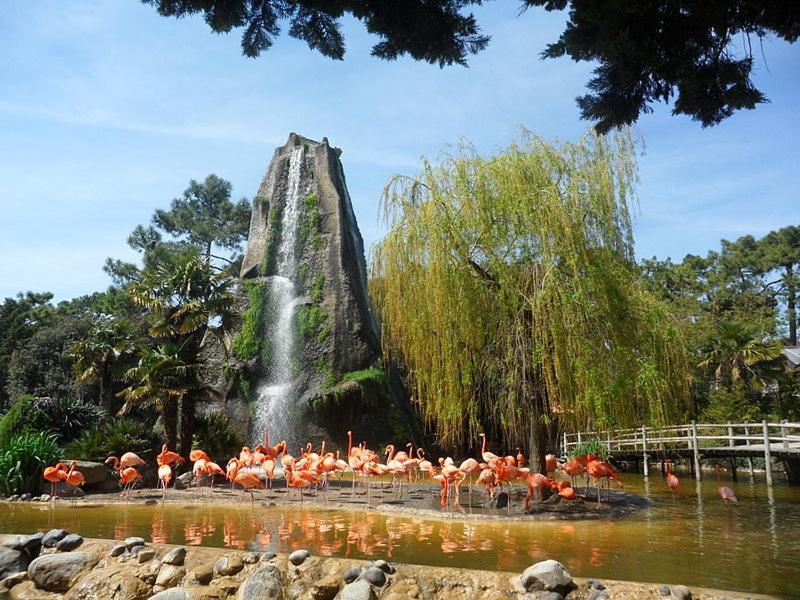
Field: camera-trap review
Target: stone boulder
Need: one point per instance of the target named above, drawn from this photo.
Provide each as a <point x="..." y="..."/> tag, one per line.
<point x="264" y="584"/>
<point x="58" y="572"/>
<point x="110" y="583"/>
<point x="52" y="537"/>
<point x="12" y="561"/>
<point x="169" y="576"/>
<point x="358" y="590"/>
<point x="93" y="472"/>
<point x="548" y="575"/>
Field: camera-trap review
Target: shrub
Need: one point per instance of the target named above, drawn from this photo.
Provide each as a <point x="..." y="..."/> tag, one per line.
<point x="23" y="457"/>
<point x="116" y="437"/>
<point x="215" y="434"/>
<point x="594" y="446"/>
<point x="64" y="417"/>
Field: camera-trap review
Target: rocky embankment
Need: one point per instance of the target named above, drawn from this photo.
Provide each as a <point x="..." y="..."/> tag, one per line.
<point x="59" y="565"/>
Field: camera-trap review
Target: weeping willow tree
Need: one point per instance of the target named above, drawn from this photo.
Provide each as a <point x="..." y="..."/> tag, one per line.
<point x="507" y="288"/>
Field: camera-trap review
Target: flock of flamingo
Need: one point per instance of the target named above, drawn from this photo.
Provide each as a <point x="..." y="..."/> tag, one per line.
<point x="256" y="469"/>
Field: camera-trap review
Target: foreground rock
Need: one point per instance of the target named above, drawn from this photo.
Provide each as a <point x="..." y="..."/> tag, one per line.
<point x="91" y="573"/>
<point x="549" y="576"/>
<point x="58" y="572"/>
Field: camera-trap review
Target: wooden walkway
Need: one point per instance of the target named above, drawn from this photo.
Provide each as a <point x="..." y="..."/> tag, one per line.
<point x="780" y="441"/>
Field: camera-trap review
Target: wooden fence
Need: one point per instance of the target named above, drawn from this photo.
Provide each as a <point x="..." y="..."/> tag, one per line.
<point x="696" y="440"/>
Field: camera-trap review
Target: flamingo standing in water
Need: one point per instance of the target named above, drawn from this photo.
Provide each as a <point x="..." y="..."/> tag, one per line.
<point x="598" y="470"/>
<point x="536" y="483"/>
<point x="725" y="492"/>
<point x="55" y="475"/>
<point x="672" y="480"/>
<point x="164" y="461"/>
<point x="74" y="477"/>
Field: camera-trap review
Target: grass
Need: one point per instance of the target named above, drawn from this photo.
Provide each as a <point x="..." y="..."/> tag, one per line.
<point x="317" y="288"/>
<point x="310" y="322"/>
<point x="311" y="221"/>
<point x="366" y="376"/>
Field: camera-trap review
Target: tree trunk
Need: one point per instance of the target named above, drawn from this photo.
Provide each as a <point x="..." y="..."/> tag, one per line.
<point x="170" y="418"/>
<point x="537" y="445"/>
<point x="791" y="310"/>
<point x="186" y="426"/>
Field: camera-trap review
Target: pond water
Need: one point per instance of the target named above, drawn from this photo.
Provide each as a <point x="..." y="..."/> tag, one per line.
<point x="694" y="538"/>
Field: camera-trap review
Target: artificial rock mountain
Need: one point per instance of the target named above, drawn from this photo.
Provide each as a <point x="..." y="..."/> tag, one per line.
<point x="317" y="371"/>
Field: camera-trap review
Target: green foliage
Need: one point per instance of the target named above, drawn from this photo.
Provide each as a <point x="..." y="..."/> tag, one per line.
<point x="206" y="216"/>
<point x="506" y="287"/>
<point x="317" y="288"/>
<point x="448" y="36"/>
<point x="310" y="222"/>
<point x="372" y="375"/>
<point x="20" y="317"/>
<point x="23" y="457"/>
<point x="247" y="344"/>
<point x="260" y="200"/>
<point x="593" y="446"/>
<point x="310" y="323"/>
<point x="329" y="378"/>
<point x="116" y="437"/>
<point x="215" y="434"/>
<point x="736" y="404"/>
<point x="271" y="254"/>
<point x="65" y="418"/>
<point x="42" y="366"/>
<point x="302" y="273"/>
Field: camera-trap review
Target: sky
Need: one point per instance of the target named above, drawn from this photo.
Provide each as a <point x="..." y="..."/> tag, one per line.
<point x="107" y="110"/>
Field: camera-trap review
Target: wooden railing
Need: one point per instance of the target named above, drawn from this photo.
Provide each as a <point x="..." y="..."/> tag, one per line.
<point x="735" y="439"/>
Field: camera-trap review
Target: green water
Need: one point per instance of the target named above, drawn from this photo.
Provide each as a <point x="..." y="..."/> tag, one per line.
<point x="694" y="539"/>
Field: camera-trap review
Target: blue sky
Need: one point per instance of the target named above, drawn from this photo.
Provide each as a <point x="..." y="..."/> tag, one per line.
<point x="108" y="110"/>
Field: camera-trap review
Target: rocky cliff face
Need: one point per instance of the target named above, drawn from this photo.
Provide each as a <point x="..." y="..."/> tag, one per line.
<point x="309" y="337"/>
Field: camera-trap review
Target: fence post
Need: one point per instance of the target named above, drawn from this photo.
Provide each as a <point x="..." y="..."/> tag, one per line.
<point x="696" y="449"/>
<point x="785" y="435"/>
<point x="767" y="466"/>
<point x="749" y="458"/>
<point x="566" y="452"/>
<point x="733" y="455"/>
<point x="608" y="440"/>
<point x="644" y="451"/>
<point x="579" y="438"/>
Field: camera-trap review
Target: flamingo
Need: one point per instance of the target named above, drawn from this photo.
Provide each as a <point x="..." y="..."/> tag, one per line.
<point x="74" y="477"/>
<point x="469" y="467"/>
<point x="672" y="480"/>
<point x="520" y="458"/>
<point x="296" y="482"/>
<point x="536" y="483"/>
<point x="129" y="459"/>
<point x="167" y="457"/>
<point x="487" y="456"/>
<point x="249" y="481"/>
<point x="164" y="477"/>
<point x="599" y="469"/>
<point x="127" y="477"/>
<point x="54" y="475"/>
<point x="725" y="492"/>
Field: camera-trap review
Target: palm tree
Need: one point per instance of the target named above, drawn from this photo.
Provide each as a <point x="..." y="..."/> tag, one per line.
<point x="103" y="355"/>
<point x="187" y="299"/>
<point x="164" y="379"/>
<point x="739" y="353"/>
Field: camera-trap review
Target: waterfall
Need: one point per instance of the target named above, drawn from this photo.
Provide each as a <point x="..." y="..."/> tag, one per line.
<point x="275" y="396"/>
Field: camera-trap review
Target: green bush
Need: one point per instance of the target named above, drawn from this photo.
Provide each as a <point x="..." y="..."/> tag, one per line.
<point x="215" y="434"/>
<point x="366" y="376"/>
<point x="594" y="446"/>
<point x="64" y="417"/>
<point x="23" y="457"/>
<point x="116" y="437"/>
